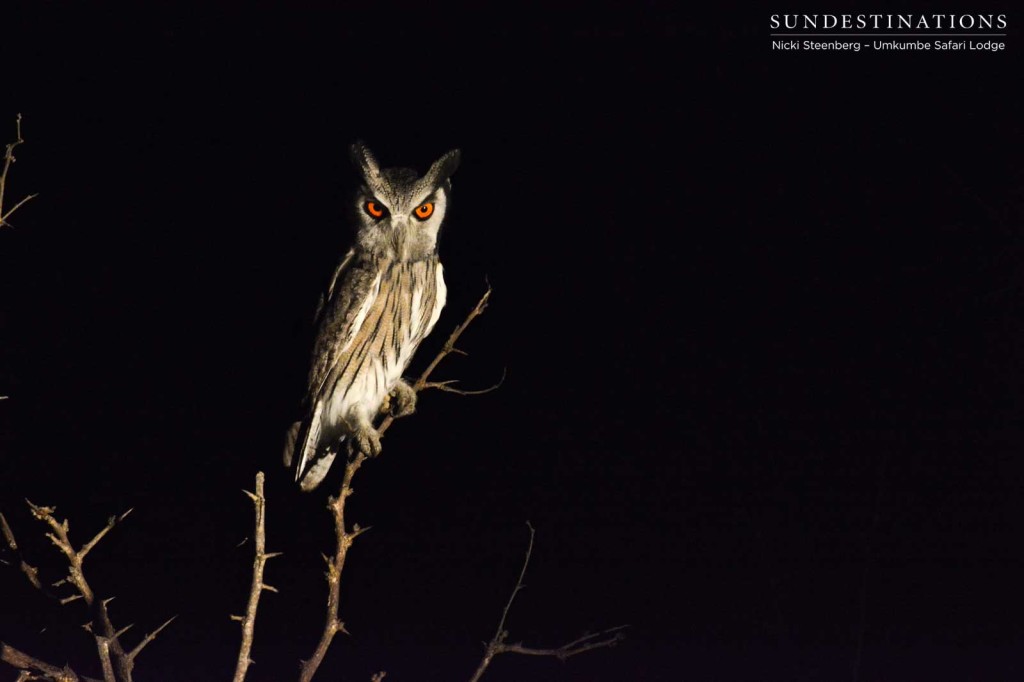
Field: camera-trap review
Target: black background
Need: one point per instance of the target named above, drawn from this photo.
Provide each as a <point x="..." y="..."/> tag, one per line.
<point x="760" y="316"/>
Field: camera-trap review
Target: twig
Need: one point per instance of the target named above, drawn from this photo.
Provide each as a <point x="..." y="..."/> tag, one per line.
<point x="498" y="644"/>
<point x="8" y="160"/>
<point x="30" y="571"/>
<point x="259" y="562"/>
<point x="117" y="663"/>
<point x="344" y="538"/>
<point x="577" y="646"/>
<point x="145" y="640"/>
<point x="26" y="663"/>
<point x="447" y="387"/>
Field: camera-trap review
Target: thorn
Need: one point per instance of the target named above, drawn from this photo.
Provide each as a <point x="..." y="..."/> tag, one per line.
<point x="68" y="600"/>
<point x="244" y="540"/>
<point x="357" y="531"/>
<point x="269" y="588"/>
<point x="271" y="555"/>
<point x="251" y="496"/>
<point x="108" y="600"/>
<point x="123" y="630"/>
<point x="238" y="618"/>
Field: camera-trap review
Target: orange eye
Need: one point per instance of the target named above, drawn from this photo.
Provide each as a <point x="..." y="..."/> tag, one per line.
<point x="374" y="209"/>
<point x="423" y="212"/>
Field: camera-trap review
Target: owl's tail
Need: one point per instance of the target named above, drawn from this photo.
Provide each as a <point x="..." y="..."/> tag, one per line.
<point x="303" y="438"/>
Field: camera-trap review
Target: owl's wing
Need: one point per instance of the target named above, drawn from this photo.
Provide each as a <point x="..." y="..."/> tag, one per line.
<point x="327" y="296"/>
<point x="350" y="295"/>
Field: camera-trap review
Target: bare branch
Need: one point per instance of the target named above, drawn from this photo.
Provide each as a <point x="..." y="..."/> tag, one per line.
<point x="499" y="645"/>
<point x="449" y="345"/>
<point x="501" y="634"/>
<point x="343" y="537"/>
<point x="447" y="386"/>
<point x="335" y="566"/>
<point x="8" y="534"/>
<point x="30" y="571"/>
<point x="580" y="645"/>
<point x="112" y="655"/>
<point x="147" y="639"/>
<point x="103" y="644"/>
<point x="24" y="200"/>
<point x="258" y="564"/>
<point x="59" y="537"/>
<point x="8" y="160"/>
<point x="111" y="522"/>
<point x="26" y="663"/>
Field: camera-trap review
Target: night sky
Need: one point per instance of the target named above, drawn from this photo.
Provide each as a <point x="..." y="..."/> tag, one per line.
<point x="760" y="316"/>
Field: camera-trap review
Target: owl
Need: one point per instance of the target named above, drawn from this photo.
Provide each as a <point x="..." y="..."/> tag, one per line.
<point x="383" y="299"/>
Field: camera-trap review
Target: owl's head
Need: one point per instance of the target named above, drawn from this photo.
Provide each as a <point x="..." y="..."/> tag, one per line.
<point x="398" y="213"/>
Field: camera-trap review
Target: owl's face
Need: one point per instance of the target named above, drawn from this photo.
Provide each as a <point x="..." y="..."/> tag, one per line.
<point x="398" y="213"/>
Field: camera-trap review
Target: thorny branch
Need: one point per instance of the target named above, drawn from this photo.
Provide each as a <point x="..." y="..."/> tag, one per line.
<point x="336" y="505"/>
<point x="259" y="562"/>
<point x="117" y="663"/>
<point x="33" y="669"/>
<point x="499" y="644"/>
<point x="8" y="160"/>
<point x="30" y="571"/>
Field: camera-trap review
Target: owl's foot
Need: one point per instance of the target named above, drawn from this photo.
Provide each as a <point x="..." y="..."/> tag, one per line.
<point x="402" y="400"/>
<point x="367" y="440"/>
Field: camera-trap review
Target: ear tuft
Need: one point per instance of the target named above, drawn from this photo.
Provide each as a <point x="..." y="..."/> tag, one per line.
<point x="444" y="167"/>
<point x="364" y="159"/>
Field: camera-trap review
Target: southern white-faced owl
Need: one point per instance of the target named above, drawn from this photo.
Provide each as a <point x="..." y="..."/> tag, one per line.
<point x="383" y="299"/>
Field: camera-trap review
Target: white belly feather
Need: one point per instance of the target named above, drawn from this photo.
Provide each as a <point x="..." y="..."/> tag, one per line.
<point x="385" y="335"/>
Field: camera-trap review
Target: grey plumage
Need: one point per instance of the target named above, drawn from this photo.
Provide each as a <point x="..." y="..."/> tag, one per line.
<point x="383" y="299"/>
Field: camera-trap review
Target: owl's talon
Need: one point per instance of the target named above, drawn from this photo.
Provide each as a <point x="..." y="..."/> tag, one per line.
<point x="368" y="442"/>
<point x="402" y="400"/>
